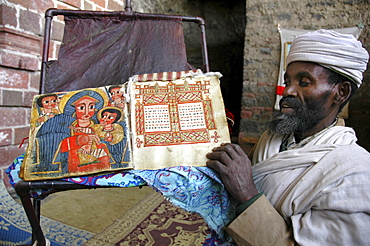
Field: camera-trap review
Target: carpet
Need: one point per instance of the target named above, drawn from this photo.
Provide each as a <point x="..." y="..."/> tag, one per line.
<point x="16" y="230"/>
<point x="154" y="221"/>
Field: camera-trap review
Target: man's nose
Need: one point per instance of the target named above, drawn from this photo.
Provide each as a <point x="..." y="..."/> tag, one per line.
<point x="290" y="90"/>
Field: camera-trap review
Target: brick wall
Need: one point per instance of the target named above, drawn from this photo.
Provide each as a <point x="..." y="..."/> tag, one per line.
<point x="21" y="31"/>
<point x="262" y="52"/>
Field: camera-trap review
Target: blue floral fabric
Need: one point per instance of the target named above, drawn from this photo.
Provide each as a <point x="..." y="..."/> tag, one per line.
<point x="194" y="189"/>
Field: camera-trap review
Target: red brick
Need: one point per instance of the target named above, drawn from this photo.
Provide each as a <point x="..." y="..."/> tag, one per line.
<point x="35" y="80"/>
<point x="24" y="3"/>
<point x="18" y="61"/>
<point x="12" y="98"/>
<point x="20" y="134"/>
<point x="88" y="6"/>
<point x="115" y="6"/>
<point x="62" y="6"/>
<point x="27" y="116"/>
<point x="41" y="5"/>
<point x="246" y="114"/>
<point x="74" y="3"/>
<point x="57" y="31"/>
<point x="28" y="97"/>
<point x="30" y="21"/>
<point x="13" y="116"/>
<point x="6" y="136"/>
<point x="19" y="41"/>
<point x="249" y="95"/>
<point x="7" y="15"/>
<point x="101" y="3"/>
<point x="11" y="78"/>
<point x="98" y="8"/>
<point x="256" y="111"/>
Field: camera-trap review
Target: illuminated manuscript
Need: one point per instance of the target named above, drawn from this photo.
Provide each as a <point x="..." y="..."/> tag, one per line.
<point x="151" y="122"/>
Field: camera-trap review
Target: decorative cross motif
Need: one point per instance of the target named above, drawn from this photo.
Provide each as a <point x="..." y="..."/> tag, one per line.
<point x="215" y="137"/>
<point x="138" y="142"/>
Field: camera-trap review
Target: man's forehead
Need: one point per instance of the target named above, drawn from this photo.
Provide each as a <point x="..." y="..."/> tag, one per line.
<point x="304" y="69"/>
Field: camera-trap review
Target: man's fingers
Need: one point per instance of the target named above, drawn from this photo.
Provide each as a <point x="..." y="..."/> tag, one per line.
<point x="232" y="150"/>
<point x="238" y="149"/>
<point x="216" y="165"/>
<point x="220" y="156"/>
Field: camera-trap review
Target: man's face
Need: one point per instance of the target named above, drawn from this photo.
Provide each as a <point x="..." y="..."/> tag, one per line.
<point x="307" y="99"/>
<point x="108" y="118"/>
<point x="85" y="108"/>
<point x="49" y="102"/>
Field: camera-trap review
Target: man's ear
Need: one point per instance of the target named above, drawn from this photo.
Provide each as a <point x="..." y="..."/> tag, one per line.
<point x="343" y="92"/>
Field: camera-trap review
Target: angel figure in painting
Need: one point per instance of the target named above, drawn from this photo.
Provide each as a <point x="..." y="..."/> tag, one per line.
<point x="48" y="107"/>
<point x="117" y="98"/>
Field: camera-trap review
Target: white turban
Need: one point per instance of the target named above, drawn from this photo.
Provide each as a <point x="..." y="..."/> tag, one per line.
<point x="342" y="53"/>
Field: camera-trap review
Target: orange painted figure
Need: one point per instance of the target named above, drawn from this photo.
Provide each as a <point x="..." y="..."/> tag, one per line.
<point x="48" y="105"/>
<point x="108" y="130"/>
<point x="117" y="99"/>
<point x="85" y="151"/>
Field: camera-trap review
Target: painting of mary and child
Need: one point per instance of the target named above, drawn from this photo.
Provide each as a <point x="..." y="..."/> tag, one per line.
<point x="79" y="132"/>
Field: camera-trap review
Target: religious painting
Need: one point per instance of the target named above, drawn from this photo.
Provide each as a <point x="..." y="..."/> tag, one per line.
<point x="77" y="133"/>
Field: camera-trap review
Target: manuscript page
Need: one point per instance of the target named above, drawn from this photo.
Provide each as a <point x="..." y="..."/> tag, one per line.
<point x="176" y="122"/>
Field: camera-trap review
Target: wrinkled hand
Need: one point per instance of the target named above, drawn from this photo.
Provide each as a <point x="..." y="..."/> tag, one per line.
<point x="234" y="167"/>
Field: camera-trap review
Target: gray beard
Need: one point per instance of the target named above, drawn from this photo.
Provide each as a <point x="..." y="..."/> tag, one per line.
<point x="285" y="124"/>
<point x="305" y="117"/>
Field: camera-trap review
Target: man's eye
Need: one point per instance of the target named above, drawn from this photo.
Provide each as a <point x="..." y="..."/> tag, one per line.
<point x="81" y="107"/>
<point x="286" y="83"/>
<point x="303" y="83"/>
<point x="91" y="106"/>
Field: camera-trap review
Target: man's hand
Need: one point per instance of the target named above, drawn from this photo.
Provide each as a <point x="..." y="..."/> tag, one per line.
<point x="235" y="170"/>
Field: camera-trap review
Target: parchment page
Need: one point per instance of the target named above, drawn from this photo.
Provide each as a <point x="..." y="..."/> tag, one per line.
<point x="176" y="123"/>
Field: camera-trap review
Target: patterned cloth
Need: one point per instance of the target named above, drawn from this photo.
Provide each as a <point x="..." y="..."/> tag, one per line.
<point x="194" y="189"/>
<point x="15" y="229"/>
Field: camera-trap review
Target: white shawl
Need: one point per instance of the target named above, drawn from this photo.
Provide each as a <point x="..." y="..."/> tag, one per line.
<point x="322" y="189"/>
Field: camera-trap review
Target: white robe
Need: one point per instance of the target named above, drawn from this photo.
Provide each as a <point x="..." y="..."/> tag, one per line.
<point x="322" y="189"/>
